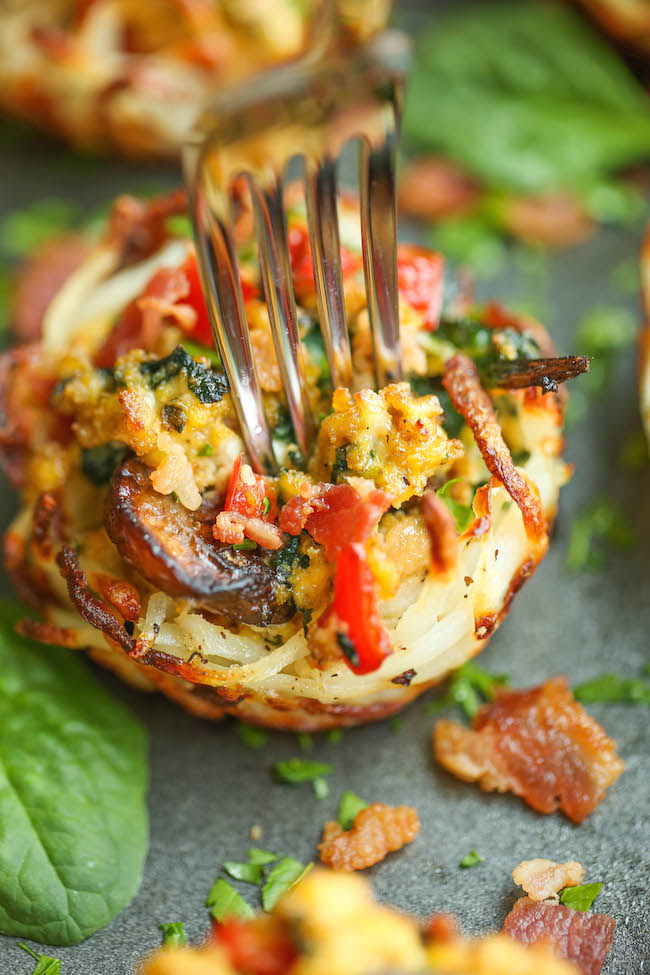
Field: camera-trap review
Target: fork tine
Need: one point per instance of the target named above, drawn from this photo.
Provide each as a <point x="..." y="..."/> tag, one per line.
<point x="271" y="234"/>
<point x="222" y="289"/>
<point x="322" y="218"/>
<point x="379" y="240"/>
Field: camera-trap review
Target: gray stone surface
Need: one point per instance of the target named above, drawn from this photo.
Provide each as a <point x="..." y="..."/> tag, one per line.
<point x="208" y="789"/>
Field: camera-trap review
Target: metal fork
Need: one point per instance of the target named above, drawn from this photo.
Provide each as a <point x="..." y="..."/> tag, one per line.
<point x="308" y="109"/>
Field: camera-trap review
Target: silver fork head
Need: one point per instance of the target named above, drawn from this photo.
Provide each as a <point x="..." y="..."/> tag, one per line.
<point x="310" y="110"/>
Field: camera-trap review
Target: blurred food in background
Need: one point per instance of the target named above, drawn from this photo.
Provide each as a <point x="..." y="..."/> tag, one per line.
<point x="520" y="119"/>
<point x="628" y="21"/>
<point x="130" y="75"/>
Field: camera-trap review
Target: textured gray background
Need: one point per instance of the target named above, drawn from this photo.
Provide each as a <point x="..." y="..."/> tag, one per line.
<point x="208" y="789"/>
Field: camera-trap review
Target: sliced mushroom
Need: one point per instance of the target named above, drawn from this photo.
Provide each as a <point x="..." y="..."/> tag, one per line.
<point x="174" y="550"/>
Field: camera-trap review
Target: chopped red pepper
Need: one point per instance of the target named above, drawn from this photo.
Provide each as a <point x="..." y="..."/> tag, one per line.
<point x="201" y="331"/>
<point x="257" y="947"/>
<point x="250" y="494"/>
<point x="420" y="277"/>
<point x="365" y="642"/>
<point x="302" y="269"/>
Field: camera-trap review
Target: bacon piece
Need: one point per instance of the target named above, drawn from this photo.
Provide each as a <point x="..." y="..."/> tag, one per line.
<point x="90" y="608"/>
<point x="540" y="744"/>
<point x="553" y="219"/>
<point x="137" y="226"/>
<point x="433" y="187"/>
<point x="39" y="279"/>
<point x="442" y="532"/>
<point x="377" y="830"/>
<point x="259" y="947"/>
<point x="542" y="879"/>
<point x="141" y="321"/>
<point x="579" y="936"/>
<point x="475" y="406"/>
<point x="334" y="515"/>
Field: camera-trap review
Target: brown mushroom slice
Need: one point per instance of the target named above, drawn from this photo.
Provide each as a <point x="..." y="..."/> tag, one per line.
<point x="174" y="550"/>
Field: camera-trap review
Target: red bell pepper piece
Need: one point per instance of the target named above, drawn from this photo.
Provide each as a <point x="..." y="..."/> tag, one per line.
<point x="302" y="269"/>
<point x="201" y="332"/>
<point x="420" y="278"/>
<point x="255" y="947"/>
<point x="247" y="493"/>
<point x="366" y="642"/>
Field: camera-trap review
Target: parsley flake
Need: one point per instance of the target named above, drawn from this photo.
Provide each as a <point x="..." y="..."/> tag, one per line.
<point x="321" y="788"/>
<point x="261" y="857"/>
<point x="206" y="450"/>
<point x="580" y="898"/>
<point x="173" y="934"/>
<point x="45" y="965"/>
<point x="295" y="771"/>
<point x="349" y="806"/>
<point x="284" y="875"/>
<point x="251" y="735"/>
<point x="462" y="513"/>
<point x="249" y="873"/>
<point x="612" y="687"/>
<point x="471" y="859"/>
<point x="468" y="688"/>
<point x="602" y="523"/>
<point x="225" y="903"/>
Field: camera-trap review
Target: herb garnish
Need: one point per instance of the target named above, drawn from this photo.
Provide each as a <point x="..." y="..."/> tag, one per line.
<point x="284" y="875"/>
<point x="349" y="806"/>
<point x="295" y="771"/>
<point x="225" y="903"/>
<point x="251" y="735"/>
<point x="173" y="934"/>
<point x="206" y="450"/>
<point x="249" y="873"/>
<point x="602" y="522"/>
<point x="471" y="859"/>
<point x="261" y="857"/>
<point x="580" y="898"/>
<point x="469" y="687"/>
<point x="612" y="687"/>
<point x="207" y="385"/>
<point x="462" y="513"/>
<point x="321" y="787"/>
<point x="45" y="964"/>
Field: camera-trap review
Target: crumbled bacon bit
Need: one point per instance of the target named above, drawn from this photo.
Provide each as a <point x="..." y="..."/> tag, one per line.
<point x="377" y="830"/>
<point x="334" y="515"/>
<point x="542" y="879"/>
<point x="137" y="226"/>
<point x="579" y="936"/>
<point x="538" y="743"/>
<point x="441" y="928"/>
<point x="231" y="527"/>
<point x="475" y="406"/>
<point x="258" y="947"/>
<point x="442" y="533"/>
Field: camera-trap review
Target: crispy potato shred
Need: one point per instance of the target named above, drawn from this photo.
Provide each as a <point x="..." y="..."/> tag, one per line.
<point x="377" y="831"/>
<point x="329" y="924"/>
<point x="538" y="743"/>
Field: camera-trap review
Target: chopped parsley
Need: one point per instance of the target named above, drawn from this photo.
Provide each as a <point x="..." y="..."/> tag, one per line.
<point x="349" y="806"/>
<point x="284" y="875"/>
<point x="334" y="736"/>
<point x="45" y="965"/>
<point x="246" y="546"/>
<point x="173" y="934"/>
<point x="206" y="450"/>
<point x="395" y="724"/>
<point x="295" y="771"/>
<point x="261" y="857"/>
<point x="305" y="741"/>
<point x="462" y="513"/>
<point x="207" y="385"/>
<point x="612" y="687"/>
<point x="580" y="898"/>
<point x="468" y="688"/>
<point x="603" y="524"/>
<point x="471" y="859"/>
<point x="266" y="507"/>
<point x="249" y="873"/>
<point x="225" y="903"/>
<point x="321" y="788"/>
<point x="251" y="735"/>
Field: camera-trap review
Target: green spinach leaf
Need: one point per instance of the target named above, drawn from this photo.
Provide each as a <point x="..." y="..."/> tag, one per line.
<point x="73" y="777"/>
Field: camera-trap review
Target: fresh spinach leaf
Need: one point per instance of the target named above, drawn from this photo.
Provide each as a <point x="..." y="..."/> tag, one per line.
<point x="580" y="898"/>
<point x="73" y="777"/>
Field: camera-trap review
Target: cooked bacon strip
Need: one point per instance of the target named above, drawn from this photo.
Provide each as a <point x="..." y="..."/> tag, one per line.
<point x="38" y="281"/>
<point x="542" y="879"/>
<point x="579" y="936"/>
<point x="90" y="608"/>
<point x="142" y="320"/>
<point x="442" y="532"/>
<point x="377" y="831"/>
<point x="334" y="515"/>
<point x="540" y="744"/>
<point x="137" y="226"/>
<point x="475" y="406"/>
<point x="547" y="373"/>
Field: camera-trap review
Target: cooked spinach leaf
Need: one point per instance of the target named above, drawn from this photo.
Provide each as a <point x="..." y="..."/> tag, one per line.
<point x="98" y="463"/>
<point x="73" y="777"/>
<point x="207" y="386"/>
